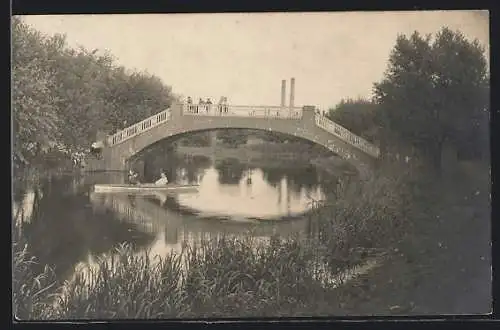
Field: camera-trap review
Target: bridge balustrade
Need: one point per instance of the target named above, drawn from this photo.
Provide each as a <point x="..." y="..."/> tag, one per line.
<point x="276" y="112"/>
<point x="346" y="135"/>
<point x="224" y="110"/>
<point x="141" y="126"/>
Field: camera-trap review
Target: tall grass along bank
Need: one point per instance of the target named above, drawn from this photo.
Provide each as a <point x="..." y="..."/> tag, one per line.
<point x="229" y="276"/>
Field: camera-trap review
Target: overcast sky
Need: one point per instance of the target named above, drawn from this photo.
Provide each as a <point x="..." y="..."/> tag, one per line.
<point x="245" y="56"/>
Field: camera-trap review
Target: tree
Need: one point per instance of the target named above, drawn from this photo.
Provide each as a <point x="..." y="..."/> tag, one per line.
<point x="277" y="137"/>
<point x="196" y="139"/>
<point x="233" y="137"/>
<point x="35" y="120"/>
<point x="434" y="91"/>
<point x="357" y="115"/>
<point x="63" y="96"/>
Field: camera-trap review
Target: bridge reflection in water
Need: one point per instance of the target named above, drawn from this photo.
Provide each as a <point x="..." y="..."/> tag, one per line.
<point x="148" y="215"/>
<point x="171" y="230"/>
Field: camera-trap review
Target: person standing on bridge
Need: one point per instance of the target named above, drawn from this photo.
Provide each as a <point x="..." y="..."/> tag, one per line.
<point x="189" y="104"/>
<point x="201" y="103"/>
<point x="224" y="104"/>
<point x="208" y="105"/>
<point x="220" y="105"/>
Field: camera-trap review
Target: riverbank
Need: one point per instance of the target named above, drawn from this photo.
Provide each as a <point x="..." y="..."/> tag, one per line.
<point x="268" y="150"/>
<point x="387" y="219"/>
<point x="444" y="265"/>
<point x="226" y="276"/>
<point x="275" y="153"/>
<point x="333" y="165"/>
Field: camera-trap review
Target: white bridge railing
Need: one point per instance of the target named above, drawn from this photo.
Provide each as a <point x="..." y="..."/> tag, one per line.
<point x="275" y="112"/>
<point x="141" y="126"/>
<point x="346" y="135"/>
<point x="222" y="110"/>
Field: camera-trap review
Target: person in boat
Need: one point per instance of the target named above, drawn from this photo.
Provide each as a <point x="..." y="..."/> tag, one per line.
<point x="163" y="180"/>
<point x="133" y="177"/>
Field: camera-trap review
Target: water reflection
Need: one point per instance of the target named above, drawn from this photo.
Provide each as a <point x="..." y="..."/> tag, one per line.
<point x="70" y="225"/>
<point x="63" y="228"/>
<point x="147" y="214"/>
<point x="239" y="190"/>
<point x="183" y="170"/>
<point x="229" y="171"/>
<point x="241" y="200"/>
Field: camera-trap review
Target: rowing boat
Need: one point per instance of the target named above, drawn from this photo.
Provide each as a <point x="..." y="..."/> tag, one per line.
<point x="143" y="188"/>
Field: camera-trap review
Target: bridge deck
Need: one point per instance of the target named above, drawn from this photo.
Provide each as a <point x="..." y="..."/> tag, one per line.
<point x="185" y="118"/>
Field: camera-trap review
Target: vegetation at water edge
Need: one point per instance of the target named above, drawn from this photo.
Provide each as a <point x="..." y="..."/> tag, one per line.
<point x="434" y="94"/>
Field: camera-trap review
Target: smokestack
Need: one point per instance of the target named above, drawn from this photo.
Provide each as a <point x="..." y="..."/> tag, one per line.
<point x="283" y="93"/>
<point x="292" y="93"/>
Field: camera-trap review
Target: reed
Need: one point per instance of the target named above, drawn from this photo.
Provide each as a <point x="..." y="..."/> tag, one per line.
<point x="31" y="290"/>
<point x="223" y="277"/>
<point x="371" y="216"/>
<point x="229" y="276"/>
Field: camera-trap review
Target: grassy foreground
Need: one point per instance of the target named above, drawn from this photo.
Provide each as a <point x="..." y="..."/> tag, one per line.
<point x="228" y="276"/>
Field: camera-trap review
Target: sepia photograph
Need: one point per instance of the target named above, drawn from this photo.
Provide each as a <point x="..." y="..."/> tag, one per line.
<point x="250" y="165"/>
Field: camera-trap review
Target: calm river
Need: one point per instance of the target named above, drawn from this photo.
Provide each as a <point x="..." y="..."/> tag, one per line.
<point x="66" y="224"/>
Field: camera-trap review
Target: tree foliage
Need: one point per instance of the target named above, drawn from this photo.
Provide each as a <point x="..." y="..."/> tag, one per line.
<point x="63" y="96"/>
<point x="196" y="139"/>
<point x="277" y="137"/>
<point x="35" y="121"/>
<point x="233" y="137"/>
<point x="357" y="115"/>
<point x="435" y="90"/>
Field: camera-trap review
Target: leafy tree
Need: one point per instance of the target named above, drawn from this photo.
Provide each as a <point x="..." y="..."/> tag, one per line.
<point x="277" y="137"/>
<point x="357" y="115"/>
<point x="233" y="137"/>
<point x="80" y="102"/>
<point x="435" y="90"/>
<point x="35" y="119"/>
<point x="63" y="96"/>
<point x="196" y="139"/>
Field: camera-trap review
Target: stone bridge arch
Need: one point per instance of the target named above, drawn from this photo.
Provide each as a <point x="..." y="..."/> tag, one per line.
<point x="303" y="123"/>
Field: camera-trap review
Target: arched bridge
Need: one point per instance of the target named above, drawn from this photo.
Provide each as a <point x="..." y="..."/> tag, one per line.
<point x="183" y="118"/>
